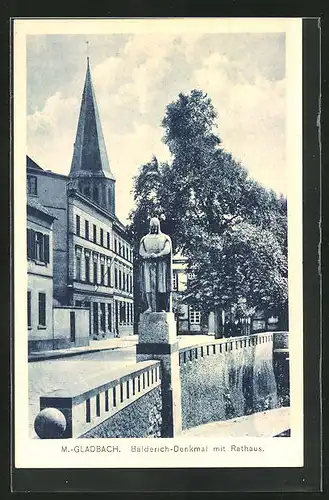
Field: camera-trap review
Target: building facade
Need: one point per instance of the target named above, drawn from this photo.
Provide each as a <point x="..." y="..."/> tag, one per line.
<point x="40" y="276"/>
<point x="189" y="320"/>
<point x="93" y="258"/>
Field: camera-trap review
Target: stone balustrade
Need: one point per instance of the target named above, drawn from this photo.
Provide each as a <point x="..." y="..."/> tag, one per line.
<point x="227" y="378"/>
<point x="199" y="351"/>
<point x="74" y="413"/>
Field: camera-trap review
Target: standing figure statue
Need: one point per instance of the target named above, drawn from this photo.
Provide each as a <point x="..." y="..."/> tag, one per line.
<point x="156" y="270"/>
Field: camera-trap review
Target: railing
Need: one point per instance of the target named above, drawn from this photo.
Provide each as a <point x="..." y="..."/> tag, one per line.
<point x="195" y="352"/>
<point x="81" y="411"/>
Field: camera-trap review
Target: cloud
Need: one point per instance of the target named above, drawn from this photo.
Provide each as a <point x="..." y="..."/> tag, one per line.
<point x="251" y="117"/>
<point x="51" y="133"/>
<point x="133" y="78"/>
<point x="134" y="84"/>
<point x="129" y="151"/>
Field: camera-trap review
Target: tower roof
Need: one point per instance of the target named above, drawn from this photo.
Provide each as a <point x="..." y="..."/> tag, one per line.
<point x="89" y="155"/>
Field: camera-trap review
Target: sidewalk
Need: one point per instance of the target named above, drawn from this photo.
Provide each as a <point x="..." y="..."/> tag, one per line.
<point x="94" y="346"/>
<point x="107" y="344"/>
<point x="269" y="423"/>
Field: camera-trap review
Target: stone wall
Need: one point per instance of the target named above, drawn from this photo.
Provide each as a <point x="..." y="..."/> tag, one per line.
<point x="141" y="419"/>
<point x="227" y="379"/>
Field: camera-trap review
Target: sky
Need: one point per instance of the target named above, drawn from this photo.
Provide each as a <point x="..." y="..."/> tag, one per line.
<point x="136" y="76"/>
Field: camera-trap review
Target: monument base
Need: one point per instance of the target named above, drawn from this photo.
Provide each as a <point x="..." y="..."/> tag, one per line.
<point x="157" y="339"/>
<point x="157" y="327"/>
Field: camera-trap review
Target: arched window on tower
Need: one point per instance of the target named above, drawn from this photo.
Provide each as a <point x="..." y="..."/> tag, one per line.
<point x="110" y="197"/>
<point x="87" y="191"/>
<point x="104" y="199"/>
<point x="96" y="194"/>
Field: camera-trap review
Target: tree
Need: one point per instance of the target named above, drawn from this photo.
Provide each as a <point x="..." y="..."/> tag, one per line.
<point x="232" y="230"/>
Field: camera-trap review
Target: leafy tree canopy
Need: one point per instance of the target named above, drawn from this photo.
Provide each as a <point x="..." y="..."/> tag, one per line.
<point x="232" y="230"/>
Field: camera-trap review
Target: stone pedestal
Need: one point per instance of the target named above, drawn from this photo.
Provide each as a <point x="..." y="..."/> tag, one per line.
<point x="157" y="340"/>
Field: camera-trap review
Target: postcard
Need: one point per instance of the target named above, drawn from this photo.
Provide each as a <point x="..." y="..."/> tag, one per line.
<point x="158" y="243"/>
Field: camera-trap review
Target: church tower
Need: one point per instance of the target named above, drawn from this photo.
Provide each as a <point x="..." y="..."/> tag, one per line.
<point x="90" y="172"/>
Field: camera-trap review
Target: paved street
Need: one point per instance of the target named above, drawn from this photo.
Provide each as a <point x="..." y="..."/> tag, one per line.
<point x="47" y="376"/>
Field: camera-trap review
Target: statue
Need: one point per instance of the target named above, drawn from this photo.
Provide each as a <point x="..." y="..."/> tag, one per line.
<point x="156" y="270"/>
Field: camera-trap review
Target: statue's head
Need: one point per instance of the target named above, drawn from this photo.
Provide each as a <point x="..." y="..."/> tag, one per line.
<point x="154" y="225"/>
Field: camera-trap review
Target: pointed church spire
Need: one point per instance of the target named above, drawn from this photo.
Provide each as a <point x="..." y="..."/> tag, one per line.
<point x="89" y="155"/>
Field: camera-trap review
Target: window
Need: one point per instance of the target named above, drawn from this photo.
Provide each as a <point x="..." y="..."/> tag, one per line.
<point x="78" y="303"/>
<point x="109" y="317"/>
<point x="109" y="276"/>
<point x="123" y="280"/>
<point x="77" y="224"/>
<point x="175" y="281"/>
<point x="42" y="309"/>
<point x="115" y="245"/>
<point x="122" y="312"/>
<point x="127" y="282"/>
<point x="95" y="233"/>
<point x="102" y="237"/>
<point x="86" y="230"/>
<point x="78" y="267"/>
<point x="87" y="192"/>
<point x="104" y="200"/>
<point x="95" y="317"/>
<point x="116" y="278"/>
<point x="120" y="279"/>
<point x="32" y="185"/>
<point x="102" y="307"/>
<point x="120" y="247"/>
<point x="108" y="240"/>
<point x="195" y="316"/>
<point x="95" y="272"/>
<point x="87" y="264"/>
<point x="102" y="274"/>
<point x="37" y="246"/>
<point x="29" y="315"/>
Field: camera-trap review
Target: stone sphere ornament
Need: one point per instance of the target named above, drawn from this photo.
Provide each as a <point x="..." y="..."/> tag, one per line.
<point x="50" y="423"/>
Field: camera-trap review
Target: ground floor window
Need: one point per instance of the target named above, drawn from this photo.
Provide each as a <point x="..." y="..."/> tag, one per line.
<point x="109" y="317"/>
<point x="29" y="312"/>
<point x="175" y="281"/>
<point x="102" y="307"/>
<point x="95" y="316"/>
<point x="195" y="316"/>
<point x="42" y="309"/>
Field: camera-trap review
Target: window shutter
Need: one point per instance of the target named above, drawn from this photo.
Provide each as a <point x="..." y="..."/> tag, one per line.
<point x="46" y="248"/>
<point x="28" y="243"/>
<point x="32" y="244"/>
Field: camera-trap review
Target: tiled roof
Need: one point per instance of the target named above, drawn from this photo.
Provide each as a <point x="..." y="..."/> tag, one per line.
<point x="34" y="203"/>
<point x="31" y="163"/>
